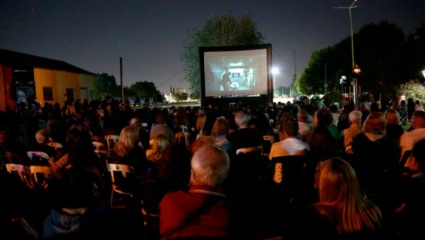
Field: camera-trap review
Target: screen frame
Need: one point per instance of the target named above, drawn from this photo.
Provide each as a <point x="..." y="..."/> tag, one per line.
<point x="264" y="94"/>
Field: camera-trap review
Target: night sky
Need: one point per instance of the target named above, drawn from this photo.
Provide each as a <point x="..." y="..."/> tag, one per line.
<point x="149" y="35"/>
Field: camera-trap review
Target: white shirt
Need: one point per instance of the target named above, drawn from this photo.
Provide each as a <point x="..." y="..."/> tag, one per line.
<point x="408" y="139"/>
<point x="288" y="147"/>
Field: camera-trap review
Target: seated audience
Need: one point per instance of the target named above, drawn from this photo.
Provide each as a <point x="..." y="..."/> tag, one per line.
<point x="408" y="198"/>
<point x="203" y="211"/>
<point x="341" y="212"/>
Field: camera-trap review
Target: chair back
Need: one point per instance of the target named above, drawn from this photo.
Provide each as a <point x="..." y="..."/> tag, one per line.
<point x="21" y="170"/>
<point x="268" y="141"/>
<point x="55" y="145"/>
<point x="184" y="128"/>
<point x="179" y="136"/>
<point x="122" y="169"/>
<point x="120" y="174"/>
<point x="288" y="171"/>
<point x="41" y="175"/>
<point x="37" y="157"/>
<point x="111" y="140"/>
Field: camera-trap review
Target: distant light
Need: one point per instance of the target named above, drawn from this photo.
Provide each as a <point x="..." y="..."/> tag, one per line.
<point x="423" y="72"/>
<point x="275" y="70"/>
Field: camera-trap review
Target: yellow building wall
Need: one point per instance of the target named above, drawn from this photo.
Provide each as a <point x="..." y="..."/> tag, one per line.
<point x="60" y="81"/>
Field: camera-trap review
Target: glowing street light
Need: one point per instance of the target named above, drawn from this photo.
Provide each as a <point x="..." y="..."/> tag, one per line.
<point x="423" y="73"/>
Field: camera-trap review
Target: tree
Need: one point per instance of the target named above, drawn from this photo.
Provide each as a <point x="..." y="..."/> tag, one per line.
<point x="224" y="30"/>
<point x="106" y="85"/>
<point x="144" y="89"/>
<point x="412" y="89"/>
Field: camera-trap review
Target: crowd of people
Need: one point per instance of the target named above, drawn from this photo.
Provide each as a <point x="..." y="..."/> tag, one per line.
<point x="232" y="176"/>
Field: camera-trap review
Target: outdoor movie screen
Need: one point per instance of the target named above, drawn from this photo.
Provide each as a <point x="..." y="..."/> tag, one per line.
<point x="235" y="71"/>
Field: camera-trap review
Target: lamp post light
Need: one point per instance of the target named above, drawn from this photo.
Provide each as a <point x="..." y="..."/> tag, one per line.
<point x="423" y="73"/>
<point x="342" y="82"/>
<point x="352" y="47"/>
<point x="275" y="71"/>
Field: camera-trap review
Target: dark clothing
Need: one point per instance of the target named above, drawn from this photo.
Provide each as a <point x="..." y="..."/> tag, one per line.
<point x="136" y="158"/>
<point x="408" y="222"/>
<point x="375" y="161"/>
<point x="318" y="226"/>
<point x="245" y="138"/>
<point x="220" y="218"/>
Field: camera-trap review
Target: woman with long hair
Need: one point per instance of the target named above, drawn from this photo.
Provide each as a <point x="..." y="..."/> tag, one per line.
<point x="128" y="151"/>
<point x="342" y="211"/>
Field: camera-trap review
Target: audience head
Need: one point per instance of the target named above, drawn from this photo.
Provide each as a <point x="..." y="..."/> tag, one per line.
<point x="418" y="120"/>
<point x="418" y="152"/>
<point x="392" y="116"/>
<point x="135" y="122"/>
<point x="290" y="127"/>
<point x="220" y="127"/>
<point x="323" y="117"/>
<point x="241" y="118"/>
<point x="375" y="123"/>
<point x="201" y="141"/>
<point x="128" y="137"/>
<point x="42" y="136"/>
<point x="210" y="166"/>
<point x="159" y="144"/>
<point x="340" y="198"/>
<point x="302" y="115"/>
<point x="355" y="117"/>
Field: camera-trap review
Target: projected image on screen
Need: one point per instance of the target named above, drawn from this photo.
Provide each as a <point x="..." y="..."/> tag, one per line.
<point x="235" y="73"/>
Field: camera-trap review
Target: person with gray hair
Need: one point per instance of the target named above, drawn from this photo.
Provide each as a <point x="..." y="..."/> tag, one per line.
<point x="203" y="210"/>
<point x="348" y="134"/>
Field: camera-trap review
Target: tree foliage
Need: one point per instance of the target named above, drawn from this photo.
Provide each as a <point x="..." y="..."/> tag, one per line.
<point x="412" y="89"/>
<point x="106" y="85"/>
<point x="382" y="51"/>
<point x="224" y="30"/>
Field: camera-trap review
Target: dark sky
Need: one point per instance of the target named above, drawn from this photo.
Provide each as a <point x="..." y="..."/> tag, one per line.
<point x="149" y="35"/>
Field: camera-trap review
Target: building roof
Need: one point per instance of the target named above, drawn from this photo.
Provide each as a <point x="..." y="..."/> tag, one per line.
<point x="16" y="59"/>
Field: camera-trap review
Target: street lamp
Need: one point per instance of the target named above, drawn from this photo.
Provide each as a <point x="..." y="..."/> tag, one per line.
<point x="275" y="71"/>
<point x="352" y="47"/>
<point x="342" y="82"/>
<point x="423" y="73"/>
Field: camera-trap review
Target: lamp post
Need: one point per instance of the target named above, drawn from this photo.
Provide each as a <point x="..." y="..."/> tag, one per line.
<point x="342" y="82"/>
<point x="275" y="71"/>
<point x="326" y="77"/>
<point x="352" y="47"/>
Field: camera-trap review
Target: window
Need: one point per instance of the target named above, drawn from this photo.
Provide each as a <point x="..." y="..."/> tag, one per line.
<point x="70" y="94"/>
<point x="48" y="93"/>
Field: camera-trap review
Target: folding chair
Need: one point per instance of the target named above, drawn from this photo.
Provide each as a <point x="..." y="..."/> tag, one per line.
<point x="111" y="140"/>
<point x="41" y="175"/>
<point x="120" y="181"/>
<point x="21" y="170"/>
<point x="182" y="135"/>
<point x="38" y="158"/>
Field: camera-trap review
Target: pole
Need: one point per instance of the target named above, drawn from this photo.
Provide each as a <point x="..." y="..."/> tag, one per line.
<point x="122" y="82"/>
<point x="352" y="49"/>
<point x="326" y="77"/>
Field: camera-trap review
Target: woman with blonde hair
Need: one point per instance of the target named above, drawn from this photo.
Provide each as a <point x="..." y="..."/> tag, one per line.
<point x="394" y="129"/>
<point x="342" y="211"/>
<point x="128" y="151"/>
<point x="158" y="146"/>
<point x="375" y="156"/>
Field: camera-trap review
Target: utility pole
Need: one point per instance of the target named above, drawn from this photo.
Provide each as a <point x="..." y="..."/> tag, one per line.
<point x="352" y="47"/>
<point x="122" y="82"/>
<point x="326" y="77"/>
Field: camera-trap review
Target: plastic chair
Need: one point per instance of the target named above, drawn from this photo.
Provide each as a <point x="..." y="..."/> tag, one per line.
<point x="21" y="170"/>
<point x="180" y="135"/>
<point x="268" y="141"/>
<point x="41" y="175"/>
<point x="184" y="128"/>
<point x="111" y="140"/>
<point x="38" y="158"/>
<point x="120" y="177"/>
<point x="55" y="145"/>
